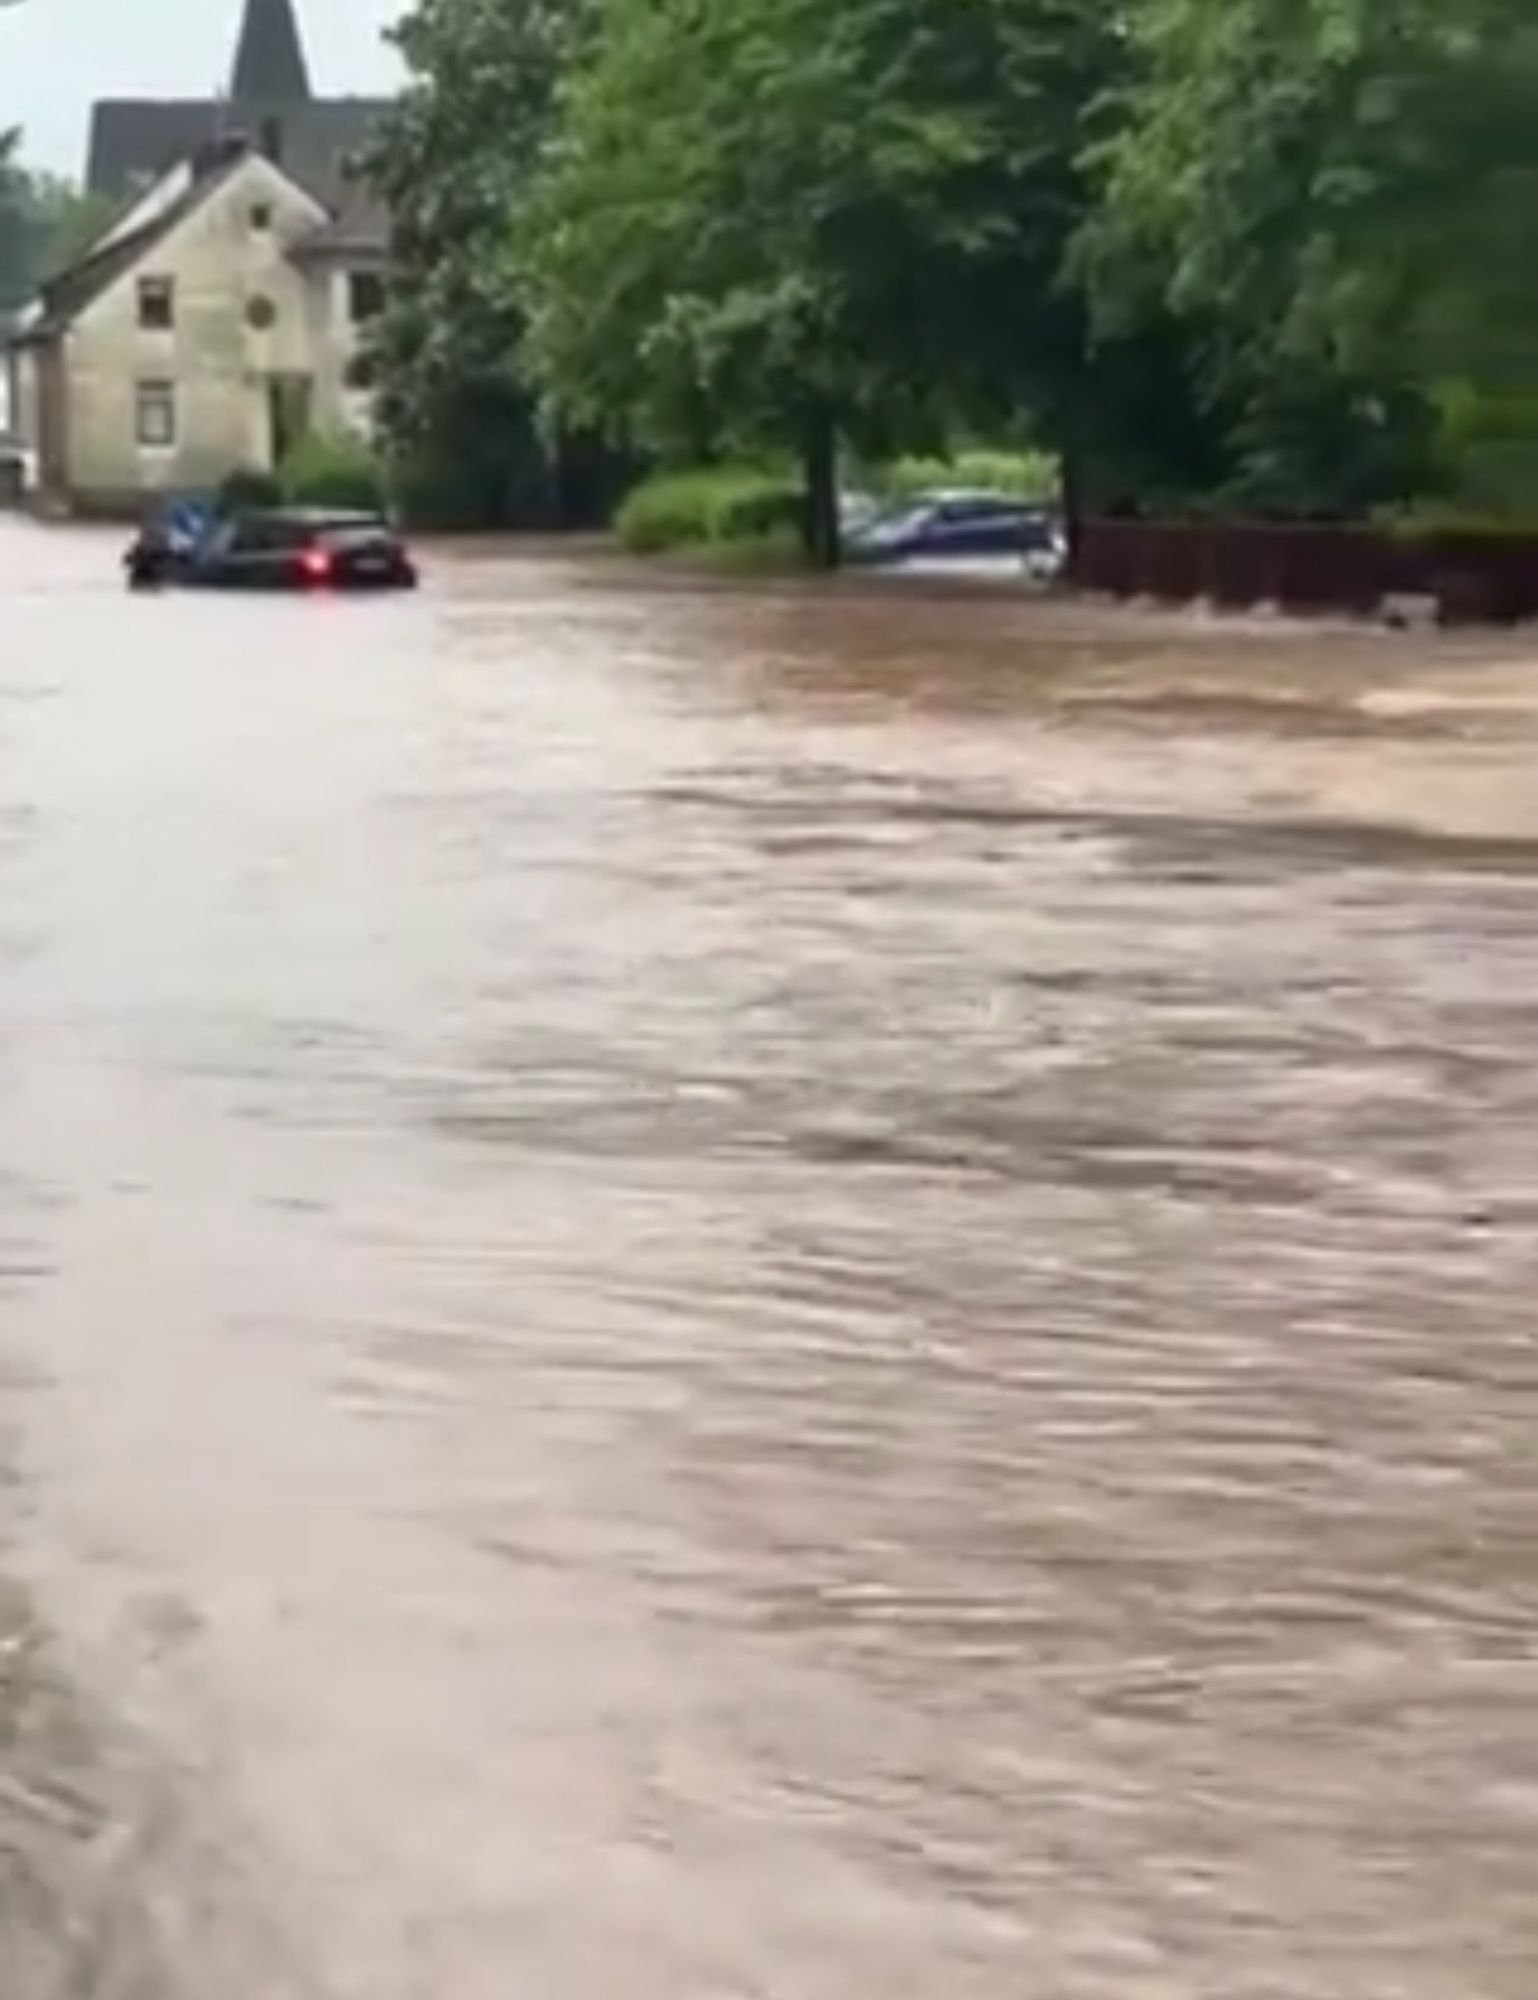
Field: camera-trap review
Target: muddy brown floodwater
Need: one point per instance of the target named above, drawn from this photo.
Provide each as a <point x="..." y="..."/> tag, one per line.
<point x="731" y="1294"/>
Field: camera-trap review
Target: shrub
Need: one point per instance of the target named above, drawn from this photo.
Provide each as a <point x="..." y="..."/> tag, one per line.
<point x="245" y="488"/>
<point x="435" y="493"/>
<point x="771" y="554"/>
<point x="1489" y="449"/>
<point x="325" y="470"/>
<point x="713" y="506"/>
<point x="763" y="508"/>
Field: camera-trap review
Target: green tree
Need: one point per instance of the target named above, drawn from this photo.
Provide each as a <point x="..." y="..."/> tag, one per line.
<point x="1339" y="194"/>
<point x="18" y="230"/>
<point x="72" y="220"/>
<point x="46" y="222"/>
<point x="453" y="162"/>
<point x="771" y="222"/>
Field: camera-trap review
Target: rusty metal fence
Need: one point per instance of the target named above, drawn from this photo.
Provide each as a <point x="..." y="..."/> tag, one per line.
<point x="1470" y="576"/>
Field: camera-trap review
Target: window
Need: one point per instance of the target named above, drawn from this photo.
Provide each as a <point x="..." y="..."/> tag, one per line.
<point x="961" y="512"/>
<point x="261" y="217"/>
<point x="261" y="314"/>
<point x="365" y="296"/>
<point x="155" y="415"/>
<point x="272" y="534"/>
<point x="157" y="304"/>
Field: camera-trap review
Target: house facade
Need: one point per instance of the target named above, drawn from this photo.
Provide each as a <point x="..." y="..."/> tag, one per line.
<point x="225" y="311"/>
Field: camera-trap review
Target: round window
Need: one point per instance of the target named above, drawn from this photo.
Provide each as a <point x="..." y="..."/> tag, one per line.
<point x="261" y="314"/>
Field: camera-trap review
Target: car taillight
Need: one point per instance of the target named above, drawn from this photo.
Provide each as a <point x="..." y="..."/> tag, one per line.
<point x="315" y="565"/>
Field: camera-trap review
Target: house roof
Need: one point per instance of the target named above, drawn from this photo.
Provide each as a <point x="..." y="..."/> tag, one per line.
<point x="269" y="63"/>
<point x="136" y="140"/>
<point x="358" y="227"/>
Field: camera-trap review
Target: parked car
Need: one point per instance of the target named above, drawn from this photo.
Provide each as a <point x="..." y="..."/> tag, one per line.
<point x="195" y="545"/>
<point x="941" y="526"/>
<point x="858" y="511"/>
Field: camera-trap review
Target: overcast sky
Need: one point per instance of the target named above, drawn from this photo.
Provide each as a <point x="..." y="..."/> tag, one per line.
<point x="57" y="56"/>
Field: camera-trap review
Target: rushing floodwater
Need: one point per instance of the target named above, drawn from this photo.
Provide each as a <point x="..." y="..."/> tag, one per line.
<point x="723" y="1295"/>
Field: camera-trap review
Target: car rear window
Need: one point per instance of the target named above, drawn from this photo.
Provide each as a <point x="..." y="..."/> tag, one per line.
<point x="354" y="534"/>
<point x="980" y="509"/>
<point x="264" y="533"/>
<point x="282" y="533"/>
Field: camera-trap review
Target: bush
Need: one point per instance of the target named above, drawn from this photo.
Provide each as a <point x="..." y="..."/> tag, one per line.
<point x="1489" y="450"/>
<point x="244" y="489"/>
<point x="434" y="492"/>
<point x="772" y="554"/>
<point x="1026" y="475"/>
<point x="712" y="507"/>
<point x="323" y="470"/>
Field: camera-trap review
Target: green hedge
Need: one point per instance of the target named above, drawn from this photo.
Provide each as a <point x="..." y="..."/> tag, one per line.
<point x="711" y="507"/>
<point x="1439" y="518"/>
<point x="1027" y="475"/>
<point x="245" y="488"/>
<point x="323" y="470"/>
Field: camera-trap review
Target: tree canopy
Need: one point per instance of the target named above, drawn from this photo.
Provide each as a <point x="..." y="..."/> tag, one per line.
<point x="1342" y="192"/>
<point x="45" y="223"/>
<point x="454" y="161"/>
<point x="767" y="220"/>
<point x="1269" y="254"/>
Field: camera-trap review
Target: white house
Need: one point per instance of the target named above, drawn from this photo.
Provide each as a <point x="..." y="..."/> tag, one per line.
<point x="224" y="312"/>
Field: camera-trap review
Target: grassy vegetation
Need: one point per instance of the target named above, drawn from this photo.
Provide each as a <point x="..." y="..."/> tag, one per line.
<point x="713" y="507"/>
<point x="1025" y="475"/>
<point x="776" y="554"/>
<point x="1433" y="519"/>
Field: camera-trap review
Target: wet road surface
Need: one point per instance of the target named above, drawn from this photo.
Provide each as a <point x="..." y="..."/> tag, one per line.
<point x="714" y="1293"/>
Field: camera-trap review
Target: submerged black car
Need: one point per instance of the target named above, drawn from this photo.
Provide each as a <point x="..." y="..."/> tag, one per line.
<point x="287" y="548"/>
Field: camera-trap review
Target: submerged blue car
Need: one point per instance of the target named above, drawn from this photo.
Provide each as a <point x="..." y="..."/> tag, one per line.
<point x="938" y="526"/>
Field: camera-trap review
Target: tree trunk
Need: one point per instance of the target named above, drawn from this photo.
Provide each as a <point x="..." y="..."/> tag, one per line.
<point x="1073" y="503"/>
<point x="1075" y="399"/>
<point x="822" y="531"/>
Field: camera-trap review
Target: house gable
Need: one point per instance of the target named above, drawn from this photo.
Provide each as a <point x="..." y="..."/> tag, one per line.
<point x="157" y="201"/>
<point x="198" y="228"/>
<point x="171" y="366"/>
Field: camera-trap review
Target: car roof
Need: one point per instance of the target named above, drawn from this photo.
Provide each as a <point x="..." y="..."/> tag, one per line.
<point x="313" y="517"/>
<point x="973" y="496"/>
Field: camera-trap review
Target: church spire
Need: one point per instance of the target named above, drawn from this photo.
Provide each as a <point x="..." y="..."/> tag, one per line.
<point x="269" y="64"/>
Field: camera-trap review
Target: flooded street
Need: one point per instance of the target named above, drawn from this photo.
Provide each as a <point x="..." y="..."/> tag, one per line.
<point x="739" y="1294"/>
